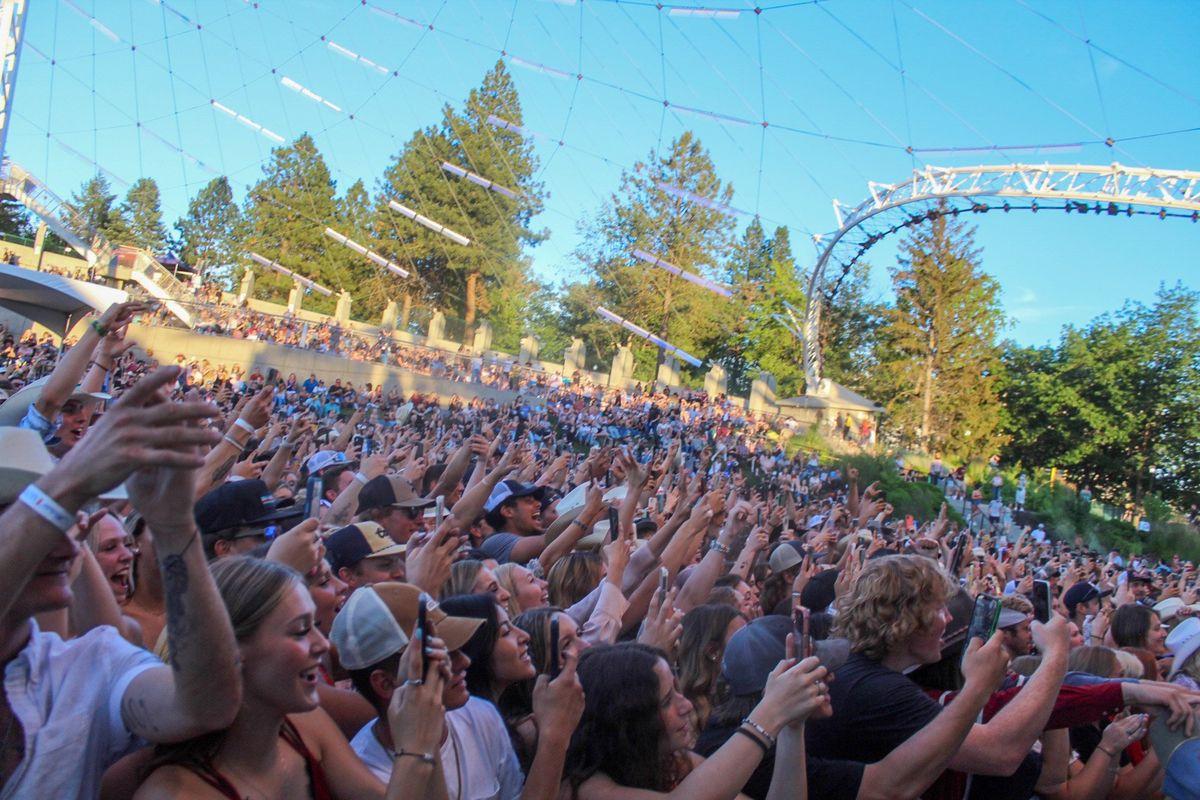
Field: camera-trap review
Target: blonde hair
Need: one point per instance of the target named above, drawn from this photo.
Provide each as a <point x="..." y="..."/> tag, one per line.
<point x="1130" y="664"/>
<point x="574" y="576"/>
<point x="894" y="598"/>
<point x="506" y="578"/>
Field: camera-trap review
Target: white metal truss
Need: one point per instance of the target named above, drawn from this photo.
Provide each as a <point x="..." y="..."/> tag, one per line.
<point x="12" y="31"/>
<point x="1114" y="189"/>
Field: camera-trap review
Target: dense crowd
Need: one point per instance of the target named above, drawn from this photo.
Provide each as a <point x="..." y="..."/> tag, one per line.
<point x="233" y="587"/>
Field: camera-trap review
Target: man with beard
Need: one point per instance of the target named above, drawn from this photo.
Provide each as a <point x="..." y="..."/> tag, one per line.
<point x="514" y="511"/>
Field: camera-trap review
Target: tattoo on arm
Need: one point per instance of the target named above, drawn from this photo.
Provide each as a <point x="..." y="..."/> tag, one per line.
<point x="137" y="717"/>
<point x="175" y="585"/>
<point x="222" y="472"/>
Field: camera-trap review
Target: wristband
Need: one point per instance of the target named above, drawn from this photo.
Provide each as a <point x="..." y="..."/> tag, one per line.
<point x="246" y="426"/>
<point x="1106" y="752"/>
<point x="424" y="758"/>
<point x="361" y="478"/>
<point x="47" y="508"/>
<point x="234" y="442"/>
<point x="720" y="548"/>
<point x="753" y="738"/>
<point x="759" y="729"/>
<point x="99" y="329"/>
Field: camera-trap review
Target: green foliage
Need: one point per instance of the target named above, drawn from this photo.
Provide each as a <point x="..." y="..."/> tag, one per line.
<point x="921" y="499"/>
<point x="14" y="219"/>
<point x="284" y="214"/>
<point x="208" y="235"/>
<point x="142" y="213"/>
<point x="763" y="274"/>
<point x="850" y="332"/>
<point x="451" y="276"/>
<point x="692" y="236"/>
<point x="1114" y="399"/>
<point x="95" y="203"/>
<point x="939" y="346"/>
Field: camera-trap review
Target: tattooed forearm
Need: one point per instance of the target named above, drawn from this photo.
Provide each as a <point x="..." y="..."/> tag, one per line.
<point x="137" y="717"/>
<point x="175" y="585"/>
<point x="222" y="472"/>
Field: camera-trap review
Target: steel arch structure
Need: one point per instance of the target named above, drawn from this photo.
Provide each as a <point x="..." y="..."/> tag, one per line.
<point x="1113" y="189"/>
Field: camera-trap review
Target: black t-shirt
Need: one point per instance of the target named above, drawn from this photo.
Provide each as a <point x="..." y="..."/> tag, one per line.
<point x="827" y="779"/>
<point x="876" y="709"/>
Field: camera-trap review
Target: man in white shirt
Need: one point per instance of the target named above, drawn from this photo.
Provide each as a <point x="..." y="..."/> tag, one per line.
<point x="371" y="633"/>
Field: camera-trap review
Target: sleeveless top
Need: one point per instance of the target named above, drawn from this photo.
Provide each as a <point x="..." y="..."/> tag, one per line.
<point x="318" y="787"/>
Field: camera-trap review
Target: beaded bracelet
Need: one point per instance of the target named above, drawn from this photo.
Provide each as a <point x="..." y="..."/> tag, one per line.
<point x="760" y="730"/>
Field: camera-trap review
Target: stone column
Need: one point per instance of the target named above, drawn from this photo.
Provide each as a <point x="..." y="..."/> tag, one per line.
<point x="483" y="337"/>
<point x="295" y="297"/>
<point x="39" y="244"/>
<point x="762" y="394"/>
<point x="622" y="368"/>
<point x="715" y="381"/>
<point x="530" y="346"/>
<point x="246" y="290"/>
<point x="342" y="312"/>
<point x="668" y="372"/>
<point x="390" y="312"/>
<point x="437" y="327"/>
<point x="575" y="358"/>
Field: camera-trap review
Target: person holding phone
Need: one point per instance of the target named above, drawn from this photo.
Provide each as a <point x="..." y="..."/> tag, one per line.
<point x="894" y="617"/>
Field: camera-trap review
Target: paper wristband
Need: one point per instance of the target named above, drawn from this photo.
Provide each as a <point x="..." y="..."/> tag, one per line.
<point x="46" y="508"/>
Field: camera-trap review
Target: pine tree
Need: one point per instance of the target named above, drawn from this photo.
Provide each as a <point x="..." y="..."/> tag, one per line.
<point x="286" y="215"/>
<point x="98" y="215"/>
<point x="941" y="342"/>
<point x="691" y="235"/>
<point x="142" y="212"/>
<point x="209" y="235"/>
<point x="14" y="219"/>
<point x="451" y="276"/>
<point x="850" y="332"/>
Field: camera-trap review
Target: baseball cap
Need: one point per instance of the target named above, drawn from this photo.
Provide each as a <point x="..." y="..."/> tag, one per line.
<point x="1010" y="618"/>
<point x="1142" y="575"/>
<point x="235" y="505"/>
<point x="389" y="490"/>
<point x="378" y="621"/>
<point x="347" y="546"/>
<point x="322" y="459"/>
<point x="509" y="490"/>
<point x="1180" y="758"/>
<point x="1080" y="593"/>
<point x="786" y="556"/>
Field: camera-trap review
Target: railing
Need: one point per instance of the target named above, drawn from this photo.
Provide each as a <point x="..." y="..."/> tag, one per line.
<point x="158" y="281"/>
<point x="58" y="214"/>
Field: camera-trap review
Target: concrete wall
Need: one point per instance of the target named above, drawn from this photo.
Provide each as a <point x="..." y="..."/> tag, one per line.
<point x="165" y="343"/>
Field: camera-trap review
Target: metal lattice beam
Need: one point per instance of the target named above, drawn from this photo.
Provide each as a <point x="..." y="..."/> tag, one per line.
<point x="12" y="31"/>
<point x="1078" y="187"/>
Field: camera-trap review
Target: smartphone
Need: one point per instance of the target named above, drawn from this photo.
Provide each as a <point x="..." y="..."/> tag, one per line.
<point x="956" y="557"/>
<point x="367" y="444"/>
<point x="477" y="427"/>
<point x="312" y="491"/>
<point x="758" y="518"/>
<point x="662" y="502"/>
<point x="440" y="505"/>
<point x="419" y="450"/>
<point x="555" y="666"/>
<point x="614" y="523"/>
<point x="802" y="631"/>
<point x="1042" y="604"/>
<point x="664" y="579"/>
<point x="422" y="626"/>
<point x="985" y="616"/>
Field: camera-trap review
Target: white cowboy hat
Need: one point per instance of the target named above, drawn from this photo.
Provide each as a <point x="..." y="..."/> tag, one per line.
<point x="13" y="409"/>
<point x="25" y="460"/>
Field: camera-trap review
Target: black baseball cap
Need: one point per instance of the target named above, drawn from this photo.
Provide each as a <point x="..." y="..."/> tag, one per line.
<point x="510" y="490"/>
<point x="240" y="504"/>
<point x="1080" y="593"/>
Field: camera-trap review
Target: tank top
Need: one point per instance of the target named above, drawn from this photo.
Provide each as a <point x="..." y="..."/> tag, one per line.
<point x="316" y="776"/>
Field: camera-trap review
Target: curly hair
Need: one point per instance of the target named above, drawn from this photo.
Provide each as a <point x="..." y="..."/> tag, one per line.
<point x="894" y="598"/>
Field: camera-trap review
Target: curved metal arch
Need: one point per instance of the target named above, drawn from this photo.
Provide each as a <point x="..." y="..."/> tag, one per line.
<point x="1076" y="185"/>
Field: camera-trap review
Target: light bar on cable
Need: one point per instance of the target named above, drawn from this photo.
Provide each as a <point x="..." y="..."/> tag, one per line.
<point x="707" y="13"/>
<point x="104" y="30"/>
<point x="436" y="227"/>
<point x="370" y="254"/>
<point x="282" y="270"/>
<point x="703" y="283"/>
<point x="536" y="67"/>
<point x="383" y="12"/>
<point x="499" y="122"/>
<point x="479" y="180"/>
<point x="249" y="123"/>
<point x="311" y="95"/>
<point x="700" y="112"/>
<point x="353" y="56"/>
<point x="700" y="200"/>
<point x="637" y="330"/>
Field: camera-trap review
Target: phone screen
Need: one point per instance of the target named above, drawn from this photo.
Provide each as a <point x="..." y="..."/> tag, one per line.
<point x="984" y="618"/>
<point x="614" y="523"/>
<point x="802" y="631"/>
<point x="555" y="667"/>
<point x="312" y="491"/>
<point x="664" y="578"/>
<point x="422" y="625"/>
<point x="440" y="504"/>
<point x="1042" y="603"/>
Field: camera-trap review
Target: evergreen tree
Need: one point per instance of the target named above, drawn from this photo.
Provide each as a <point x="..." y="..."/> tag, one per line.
<point x="14" y="219"/>
<point x="94" y="203"/>
<point x="940" y="348"/>
<point x="367" y="282"/>
<point x="690" y="235"/>
<point x="455" y="277"/>
<point x="286" y="215"/>
<point x="850" y="332"/>
<point x="209" y="235"/>
<point x="142" y="212"/>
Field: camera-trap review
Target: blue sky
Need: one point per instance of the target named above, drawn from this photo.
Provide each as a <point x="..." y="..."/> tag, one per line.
<point x="845" y="86"/>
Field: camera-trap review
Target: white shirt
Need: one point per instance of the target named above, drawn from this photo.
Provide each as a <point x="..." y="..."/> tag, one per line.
<point x="67" y="696"/>
<point x="477" y="750"/>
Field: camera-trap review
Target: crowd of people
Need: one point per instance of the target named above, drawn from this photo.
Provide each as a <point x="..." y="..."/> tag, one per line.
<point x="242" y="588"/>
